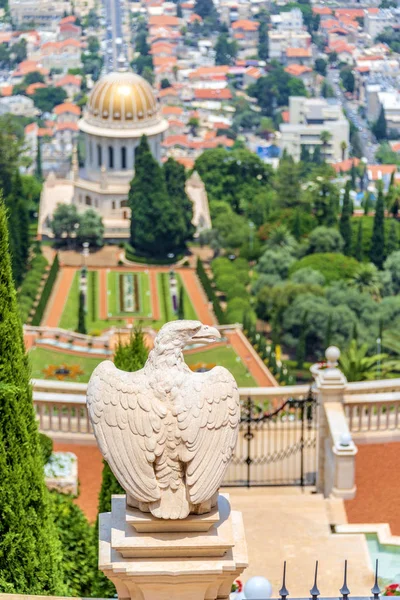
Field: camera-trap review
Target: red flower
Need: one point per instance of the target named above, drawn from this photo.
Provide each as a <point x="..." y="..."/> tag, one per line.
<point x="239" y="585"/>
<point x="393" y="586"/>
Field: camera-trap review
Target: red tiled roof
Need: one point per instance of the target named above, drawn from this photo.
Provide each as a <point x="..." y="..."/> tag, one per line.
<point x="6" y="90"/>
<point x="187" y="162"/>
<point x="321" y="10"/>
<point x="285" y="116"/>
<point x="211" y="94"/>
<point x="31" y="89"/>
<point x="350" y="12"/>
<point x="172" y="110"/>
<point x="376" y="172"/>
<point x="298" y="52"/>
<point x="67" y="107"/>
<point x="194" y="17"/>
<point x="164" y="61"/>
<point x="208" y="72"/>
<point x="164" y="21"/>
<point x="67" y="125"/>
<point x="68" y="80"/>
<point x="31" y="128"/>
<point x="396" y="147"/>
<point x="245" y="25"/>
<point x="69" y="27"/>
<point x="169" y="91"/>
<point x="45" y="131"/>
<point x="297" y="70"/>
<point x="345" y="165"/>
<point x="69" y="19"/>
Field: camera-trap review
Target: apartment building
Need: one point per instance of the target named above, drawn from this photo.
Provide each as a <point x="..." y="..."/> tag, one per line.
<point x="308" y="119"/>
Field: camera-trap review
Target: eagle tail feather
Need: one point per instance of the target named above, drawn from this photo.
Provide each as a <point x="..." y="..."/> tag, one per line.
<point x="173" y="504"/>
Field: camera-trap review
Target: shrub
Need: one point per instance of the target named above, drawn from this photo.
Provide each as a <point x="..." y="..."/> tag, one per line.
<point x="325" y="239"/>
<point x="77" y="544"/>
<point x="333" y="266"/>
<point x="308" y="275"/>
<point x="48" y="286"/>
<point x="211" y="295"/>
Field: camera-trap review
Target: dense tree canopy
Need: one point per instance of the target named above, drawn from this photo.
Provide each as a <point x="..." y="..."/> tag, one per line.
<point x="273" y="90"/>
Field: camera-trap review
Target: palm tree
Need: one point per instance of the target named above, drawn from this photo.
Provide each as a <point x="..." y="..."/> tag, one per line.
<point x="366" y="279"/>
<point x="343" y="147"/>
<point x="357" y="366"/>
<point x="325" y="138"/>
<point x="282" y="238"/>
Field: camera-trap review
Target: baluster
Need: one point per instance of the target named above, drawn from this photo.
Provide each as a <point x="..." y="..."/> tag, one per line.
<point x="388" y="410"/>
<point x="350" y="414"/>
<point x="78" y="416"/>
<point x="87" y="419"/>
<point x="60" y="411"/>
<point x="69" y="429"/>
<point x="370" y="411"/>
<point x="51" y="408"/>
<point x="360" y="413"/>
<point x="378" y="419"/>
<point x="396" y="417"/>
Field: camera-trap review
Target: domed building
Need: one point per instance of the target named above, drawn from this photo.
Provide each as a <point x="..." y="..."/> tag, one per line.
<point x="121" y="108"/>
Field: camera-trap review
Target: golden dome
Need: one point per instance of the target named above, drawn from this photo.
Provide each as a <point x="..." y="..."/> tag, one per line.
<point x="121" y="98"/>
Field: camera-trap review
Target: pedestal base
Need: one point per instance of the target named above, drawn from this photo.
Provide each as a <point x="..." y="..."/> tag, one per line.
<point x="196" y="558"/>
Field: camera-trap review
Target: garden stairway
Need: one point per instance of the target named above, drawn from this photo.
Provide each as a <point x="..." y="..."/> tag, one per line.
<point x="294" y="525"/>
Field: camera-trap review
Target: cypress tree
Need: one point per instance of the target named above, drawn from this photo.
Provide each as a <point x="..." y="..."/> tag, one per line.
<point x="367" y="203"/>
<point x="81" y="314"/>
<point x="358" y="252"/>
<point x="345" y="223"/>
<point x="129" y="356"/>
<point x="38" y="170"/>
<point x="175" y="180"/>
<point x="330" y="217"/>
<point x="157" y="228"/>
<point x="30" y="556"/>
<point x="393" y="240"/>
<point x="22" y="217"/>
<point x="377" y="252"/>
<point x="181" y="306"/>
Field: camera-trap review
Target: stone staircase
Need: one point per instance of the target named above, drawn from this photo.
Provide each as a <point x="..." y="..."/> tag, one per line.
<point x="296" y="526"/>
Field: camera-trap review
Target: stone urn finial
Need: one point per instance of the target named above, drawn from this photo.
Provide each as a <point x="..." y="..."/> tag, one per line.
<point x="332" y="354"/>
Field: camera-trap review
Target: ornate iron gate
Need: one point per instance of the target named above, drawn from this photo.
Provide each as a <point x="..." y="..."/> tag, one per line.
<point x="277" y="448"/>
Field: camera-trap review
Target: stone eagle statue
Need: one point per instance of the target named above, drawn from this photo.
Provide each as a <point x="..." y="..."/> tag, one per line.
<point x="167" y="433"/>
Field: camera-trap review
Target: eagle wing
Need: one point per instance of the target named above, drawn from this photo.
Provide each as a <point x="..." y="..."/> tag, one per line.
<point x="128" y="423"/>
<point x="208" y="416"/>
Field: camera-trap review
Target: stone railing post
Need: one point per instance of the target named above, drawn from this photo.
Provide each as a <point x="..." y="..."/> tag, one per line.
<point x="336" y="449"/>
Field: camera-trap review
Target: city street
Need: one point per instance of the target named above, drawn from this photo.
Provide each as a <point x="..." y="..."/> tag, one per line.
<point x="368" y="141"/>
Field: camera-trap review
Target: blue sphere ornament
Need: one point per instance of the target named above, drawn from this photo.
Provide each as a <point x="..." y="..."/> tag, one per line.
<point x="258" y="588"/>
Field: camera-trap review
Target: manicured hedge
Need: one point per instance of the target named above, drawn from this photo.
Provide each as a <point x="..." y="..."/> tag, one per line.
<point x="147" y="260"/>
<point x="93" y="284"/>
<point x="48" y="286"/>
<point x="209" y="290"/>
<point x="29" y="288"/>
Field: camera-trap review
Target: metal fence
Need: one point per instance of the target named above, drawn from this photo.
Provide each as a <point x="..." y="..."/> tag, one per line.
<point x="277" y="448"/>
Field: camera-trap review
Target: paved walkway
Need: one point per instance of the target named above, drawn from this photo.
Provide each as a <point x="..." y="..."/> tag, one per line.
<point x="378" y="486"/>
<point x="59" y="296"/>
<point x="197" y="296"/>
<point x="286" y="524"/>
<point x="257" y="369"/>
<point x="103" y="299"/>
<point x="155" y="304"/>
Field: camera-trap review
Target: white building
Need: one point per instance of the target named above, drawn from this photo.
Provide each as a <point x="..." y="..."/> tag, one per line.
<point x="291" y="20"/>
<point x="21" y="106"/>
<point x="44" y="13"/>
<point x="121" y="109"/>
<point x="280" y="41"/>
<point x="308" y="118"/>
<point x="375" y="23"/>
<point x="390" y="102"/>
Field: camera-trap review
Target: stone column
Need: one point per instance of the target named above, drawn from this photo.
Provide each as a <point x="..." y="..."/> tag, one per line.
<point x="196" y="558"/>
<point x="336" y="449"/>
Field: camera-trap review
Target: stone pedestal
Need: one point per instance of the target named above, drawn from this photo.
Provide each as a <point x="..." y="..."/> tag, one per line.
<point x="196" y="558"/>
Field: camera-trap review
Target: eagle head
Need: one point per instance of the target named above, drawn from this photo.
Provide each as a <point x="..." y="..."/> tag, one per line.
<point x="175" y="335"/>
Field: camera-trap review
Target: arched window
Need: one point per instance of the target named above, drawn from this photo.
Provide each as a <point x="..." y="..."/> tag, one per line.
<point x="88" y="201"/>
<point x="123" y="157"/>
<point x="110" y="157"/>
<point x="124" y="203"/>
<point x="113" y="204"/>
<point x="90" y="152"/>
<point x="99" y="156"/>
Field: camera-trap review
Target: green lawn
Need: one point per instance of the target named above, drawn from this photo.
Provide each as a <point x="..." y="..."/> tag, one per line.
<point x="114" y="300"/>
<point x="223" y="356"/>
<point x="40" y="358"/>
<point x="69" y="318"/>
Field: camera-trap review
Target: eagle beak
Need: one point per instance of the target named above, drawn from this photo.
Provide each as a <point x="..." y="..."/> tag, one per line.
<point x="207" y="334"/>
